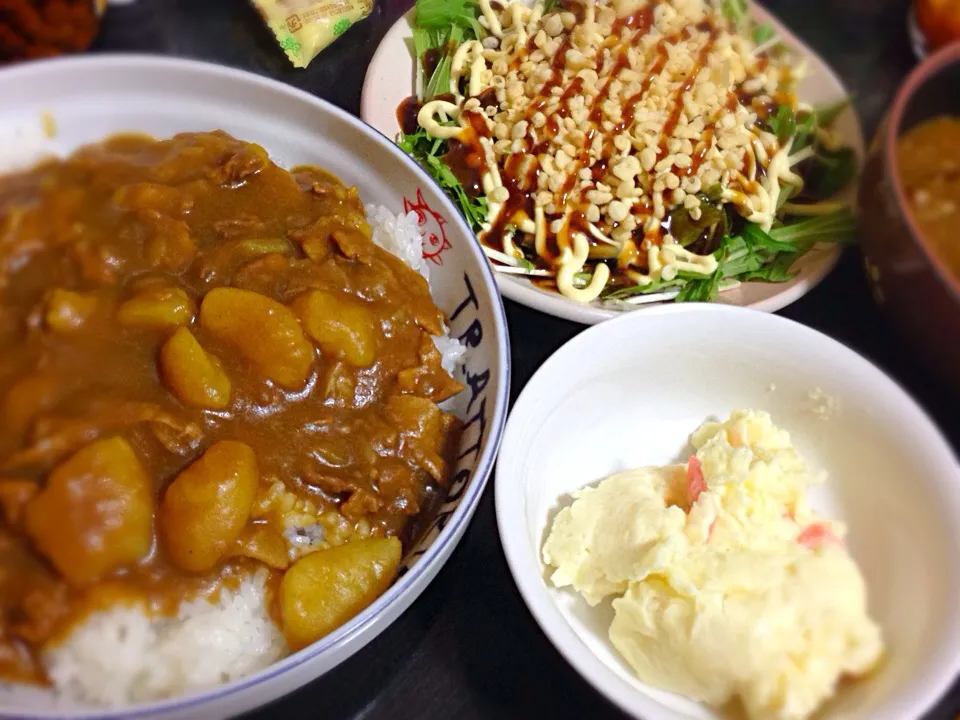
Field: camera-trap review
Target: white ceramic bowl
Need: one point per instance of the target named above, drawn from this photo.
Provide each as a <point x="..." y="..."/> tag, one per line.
<point x="629" y="392"/>
<point x="390" y="79"/>
<point x="92" y="97"/>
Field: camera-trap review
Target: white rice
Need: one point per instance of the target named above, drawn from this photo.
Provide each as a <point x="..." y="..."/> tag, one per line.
<point x="122" y="655"/>
<point x="400" y="235"/>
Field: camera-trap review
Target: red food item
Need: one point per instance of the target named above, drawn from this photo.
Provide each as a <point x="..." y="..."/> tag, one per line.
<point x="939" y="21"/>
<point x="695" y="482"/>
<point x="813" y="535"/>
<point x="44" y="28"/>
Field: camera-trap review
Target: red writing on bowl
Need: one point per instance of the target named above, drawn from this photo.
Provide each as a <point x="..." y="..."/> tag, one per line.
<point x="431" y="225"/>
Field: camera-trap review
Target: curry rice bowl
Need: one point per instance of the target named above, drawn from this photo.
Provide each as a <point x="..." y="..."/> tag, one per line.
<point x="122" y="655"/>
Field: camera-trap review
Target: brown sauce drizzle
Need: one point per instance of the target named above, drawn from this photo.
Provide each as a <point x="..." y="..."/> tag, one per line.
<point x="546" y="91"/>
<point x="466" y="162"/>
<point x="629" y="109"/>
<point x="519" y="174"/>
<point x="699" y="153"/>
<point x="671" y="124"/>
<point x="599" y="169"/>
<point x="431" y="59"/>
<point x="545" y="283"/>
<point x="465" y="156"/>
<point x="488" y="97"/>
<point x="521" y="58"/>
<point x="763" y="108"/>
<point x="563" y="108"/>
<point x="578" y="9"/>
<point x="641" y="20"/>
<point x="640" y="23"/>
<point x="407" y="114"/>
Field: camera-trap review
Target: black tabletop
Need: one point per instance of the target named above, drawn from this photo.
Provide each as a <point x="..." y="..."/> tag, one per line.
<point x="468" y="647"/>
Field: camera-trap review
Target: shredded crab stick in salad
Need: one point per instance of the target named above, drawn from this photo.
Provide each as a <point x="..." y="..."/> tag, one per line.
<point x="612" y="149"/>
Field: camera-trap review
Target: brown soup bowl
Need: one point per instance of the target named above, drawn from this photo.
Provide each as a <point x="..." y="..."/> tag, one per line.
<point x="909" y="280"/>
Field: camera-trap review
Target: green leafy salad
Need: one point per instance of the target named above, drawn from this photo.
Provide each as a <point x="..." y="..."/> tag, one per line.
<point x="585" y="155"/>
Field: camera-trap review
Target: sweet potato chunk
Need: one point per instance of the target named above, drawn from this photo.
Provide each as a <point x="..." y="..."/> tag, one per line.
<point x="95" y="513"/>
<point x="192" y="374"/>
<point x="262" y="330"/>
<point x="157" y="307"/>
<point x="206" y="507"/>
<point x="67" y="311"/>
<point x="323" y="590"/>
<point x="341" y="325"/>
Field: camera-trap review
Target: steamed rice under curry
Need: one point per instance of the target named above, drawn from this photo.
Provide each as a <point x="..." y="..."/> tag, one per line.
<point x="219" y="400"/>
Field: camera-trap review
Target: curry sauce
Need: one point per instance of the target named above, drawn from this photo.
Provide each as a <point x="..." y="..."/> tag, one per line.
<point x="205" y="356"/>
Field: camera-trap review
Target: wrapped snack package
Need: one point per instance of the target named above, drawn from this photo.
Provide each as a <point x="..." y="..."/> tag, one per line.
<point x="305" y="27"/>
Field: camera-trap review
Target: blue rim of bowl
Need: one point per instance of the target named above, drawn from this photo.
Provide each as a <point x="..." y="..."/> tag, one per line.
<point x="346" y="634"/>
<point x="518" y="562"/>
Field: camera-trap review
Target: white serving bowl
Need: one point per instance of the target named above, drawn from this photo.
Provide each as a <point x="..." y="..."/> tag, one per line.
<point x="90" y="98"/>
<point x="628" y="393"/>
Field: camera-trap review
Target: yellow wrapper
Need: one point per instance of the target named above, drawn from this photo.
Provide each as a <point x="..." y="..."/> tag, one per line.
<point x="305" y="27"/>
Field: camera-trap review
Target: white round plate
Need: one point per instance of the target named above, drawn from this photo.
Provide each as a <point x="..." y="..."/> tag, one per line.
<point x="629" y="392"/>
<point x="89" y="98"/>
<point x="390" y="78"/>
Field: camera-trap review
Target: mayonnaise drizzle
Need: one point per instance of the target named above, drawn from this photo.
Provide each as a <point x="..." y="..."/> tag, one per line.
<point x="572" y="262"/>
<point x="427" y="119"/>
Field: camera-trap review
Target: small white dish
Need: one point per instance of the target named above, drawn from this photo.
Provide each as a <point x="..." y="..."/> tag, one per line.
<point x="390" y="79"/>
<point x="86" y="99"/>
<point x="628" y="393"/>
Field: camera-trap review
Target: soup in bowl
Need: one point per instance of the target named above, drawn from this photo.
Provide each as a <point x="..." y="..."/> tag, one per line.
<point x="907" y="214"/>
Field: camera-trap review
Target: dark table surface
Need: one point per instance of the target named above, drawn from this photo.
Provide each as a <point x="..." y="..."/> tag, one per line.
<point x="468" y="647"/>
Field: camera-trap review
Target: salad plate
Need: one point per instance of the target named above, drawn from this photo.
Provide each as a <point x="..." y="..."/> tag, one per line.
<point x="392" y="77"/>
<point x="92" y="97"/>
